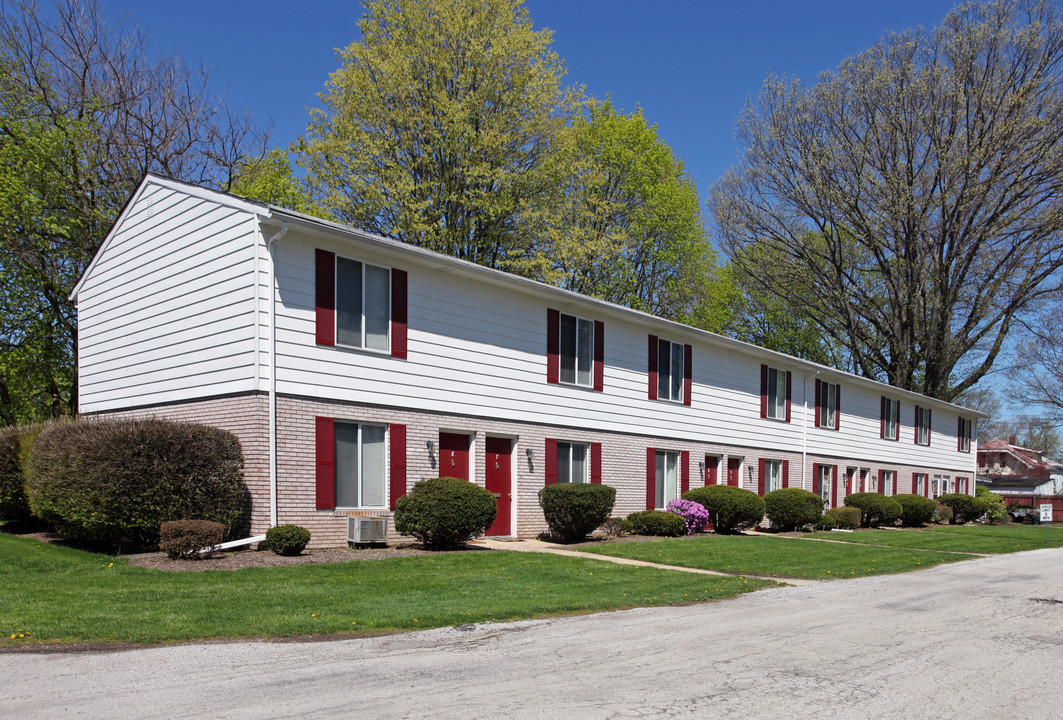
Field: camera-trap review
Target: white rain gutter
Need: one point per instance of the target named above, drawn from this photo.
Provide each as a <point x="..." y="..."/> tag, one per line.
<point x="272" y="325"/>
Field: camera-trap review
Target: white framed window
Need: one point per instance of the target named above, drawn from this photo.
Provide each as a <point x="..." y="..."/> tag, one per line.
<point x="572" y="462"/>
<point x="576" y="350"/>
<point x="776" y="392"/>
<point x="827" y="404"/>
<point x="667" y="478"/>
<point x="891" y="414"/>
<point x="363" y="305"/>
<point x="887" y="483"/>
<point x="825" y="479"/>
<point x="965" y="429"/>
<point x="922" y="425"/>
<point x="670" y="370"/>
<point x="920" y="483"/>
<point x="942" y="485"/>
<point x="772" y="475"/>
<point x="361" y="466"/>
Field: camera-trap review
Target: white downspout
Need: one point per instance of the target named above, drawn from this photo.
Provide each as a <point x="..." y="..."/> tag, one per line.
<point x="272" y="327"/>
<point x="804" y="427"/>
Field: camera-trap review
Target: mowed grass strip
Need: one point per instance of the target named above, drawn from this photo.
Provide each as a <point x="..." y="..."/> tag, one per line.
<point x="776" y="556"/>
<point x="1033" y="534"/>
<point x="55" y="594"/>
<point x="943" y="538"/>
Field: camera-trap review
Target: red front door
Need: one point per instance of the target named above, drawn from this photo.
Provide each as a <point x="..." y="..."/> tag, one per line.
<point x="497" y="482"/>
<point x="733" y="466"/>
<point x="711" y="465"/>
<point x="454" y="455"/>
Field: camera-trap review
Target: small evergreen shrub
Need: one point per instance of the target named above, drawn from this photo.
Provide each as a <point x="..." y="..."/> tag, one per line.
<point x="876" y="509"/>
<point x="13" y="503"/>
<point x="731" y="508"/>
<point x="183" y="539"/>
<point x="114" y="481"/>
<point x="657" y="522"/>
<point x="995" y="509"/>
<point x="845" y="518"/>
<point x="916" y="510"/>
<point x="792" y="508"/>
<point x="694" y="514"/>
<point x="826" y="522"/>
<point x="965" y="508"/>
<point x="942" y="513"/>
<point x="615" y="527"/>
<point x="288" y="540"/>
<point x="444" y="512"/>
<point x="575" y="510"/>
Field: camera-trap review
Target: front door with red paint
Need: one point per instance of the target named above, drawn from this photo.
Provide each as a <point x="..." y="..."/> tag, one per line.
<point x="454" y="455"/>
<point x="734" y="466"/>
<point x="497" y="482"/>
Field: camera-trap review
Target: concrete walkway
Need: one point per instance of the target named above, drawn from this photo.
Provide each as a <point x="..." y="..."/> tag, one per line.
<point x="550" y="548"/>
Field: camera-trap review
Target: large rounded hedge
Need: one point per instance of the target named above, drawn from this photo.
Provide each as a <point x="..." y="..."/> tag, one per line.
<point x="115" y="481"/>
<point x="574" y="510"/>
<point x="876" y="508"/>
<point x="792" y="508"/>
<point x="731" y="508"/>
<point x="965" y="508"/>
<point x="916" y="510"/>
<point x="445" y="512"/>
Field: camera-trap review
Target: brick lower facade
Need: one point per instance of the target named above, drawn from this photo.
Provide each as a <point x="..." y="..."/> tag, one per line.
<point x="623" y="458"/>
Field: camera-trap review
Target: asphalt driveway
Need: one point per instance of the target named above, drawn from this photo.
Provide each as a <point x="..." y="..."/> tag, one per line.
<point x="978" y="639"/>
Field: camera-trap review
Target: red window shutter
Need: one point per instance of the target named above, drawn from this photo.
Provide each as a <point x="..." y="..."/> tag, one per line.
<point x="652" y="365"/>
<point x="399" y="283"/>
<point x="819" y="394"/>
<point x="760" y="477"/>
<point x="788" y="384"/>
<point x="915" y="483"/>
<point x="599" y="355"/>
<point x="553" y="346"/>
<point x="894" y="483"/>
<point x="834" y="486"/>
<point x="325" y="462"/>
<point x="764" y="391"/>
<point x="815" y="479"/>
<point x="325" y="296"/>
<point x="397" y="445"/>
<point x="929" y="426"/>
<point x="786" y="473"/>
<point x="916" y="423"/>
<point x="959" y="434"/>
<point x="882" y="481"/>
<point x="688" y="376"/>
<point x="684" y="462"/>
<point x="551" y="461"/>
<point x="596" y="463"/>
<point x="651" y="478"/>
<point x="882" y="418"/>
<point x="837" y="406"/>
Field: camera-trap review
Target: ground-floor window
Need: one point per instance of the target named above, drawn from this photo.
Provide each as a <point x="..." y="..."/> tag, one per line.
<point x="920" y="483"/>
<point x="887" y="483"/>
<point x="772" y="475"/>
<point x="361" y="466"/>
<point x="941" y="485"/>
<point x="572" y="462"/>
<point x="667" y="478"/>
<point x="824" y="479"/>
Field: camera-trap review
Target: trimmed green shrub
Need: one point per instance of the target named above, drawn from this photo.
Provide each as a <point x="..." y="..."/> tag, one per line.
<point x="114" y="481"/>
<point x="615" y="527"/>
<point x="13" y="503"/>
<point x="575" y="510"/>
<point x="995" y="509"/>
<point x="916" y="510"/>
<point x="844" y="518"/>
<point x="942" y="513"/>
<point x="657" y="522"/>
<point x="288" y="540"/>
<point x="876" y="508"/>
<point x="445" y="512"/>
<point x="183" y="539"/>
<point x="965" y="508"/>
<point x="791" y="508"/>
<point x="827" y="522"/>
<point x="732" y="508"/>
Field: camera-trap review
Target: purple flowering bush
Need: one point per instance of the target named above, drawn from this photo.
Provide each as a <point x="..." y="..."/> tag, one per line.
<point x="694" y="514"/>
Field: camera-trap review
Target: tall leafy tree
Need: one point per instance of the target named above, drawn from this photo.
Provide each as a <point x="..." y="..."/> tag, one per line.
<point x="86" y="108"/>
<point x="919" y="187"/>
<point x="434" y="127"/>
<point x="626" y="224"/>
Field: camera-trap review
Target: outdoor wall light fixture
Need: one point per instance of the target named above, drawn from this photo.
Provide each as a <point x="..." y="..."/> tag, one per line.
<point x="701" y="465"/>
<point x="431" y="446"/>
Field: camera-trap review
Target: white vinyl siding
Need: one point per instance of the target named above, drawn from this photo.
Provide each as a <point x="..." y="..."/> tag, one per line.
<point x="361" y="469"/>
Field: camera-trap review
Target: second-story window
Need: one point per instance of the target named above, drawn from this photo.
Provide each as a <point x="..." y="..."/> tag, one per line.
<point x="891" y="413"/>
<point x="922" y="425"/>
<point x="827" y="396"/>
<point x="669" y="370"/>
<point x="774" y="393"/>
<point x="576" y="350"/>
<point x="363" y="304"/>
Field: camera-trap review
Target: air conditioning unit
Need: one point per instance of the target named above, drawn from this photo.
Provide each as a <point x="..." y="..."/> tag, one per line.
<point x="367" y="530"/>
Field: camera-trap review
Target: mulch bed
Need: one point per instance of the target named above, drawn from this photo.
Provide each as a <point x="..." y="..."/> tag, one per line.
<point x="264" y="558"/>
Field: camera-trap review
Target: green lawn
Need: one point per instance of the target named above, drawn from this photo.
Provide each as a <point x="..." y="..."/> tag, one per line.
<point x="56" y="594"/>
<point x="974" y="539"/>
<point x="777" y="556"/>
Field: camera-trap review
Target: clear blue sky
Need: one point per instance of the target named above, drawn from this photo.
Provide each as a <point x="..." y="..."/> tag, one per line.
<point x="690" y="65"/>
